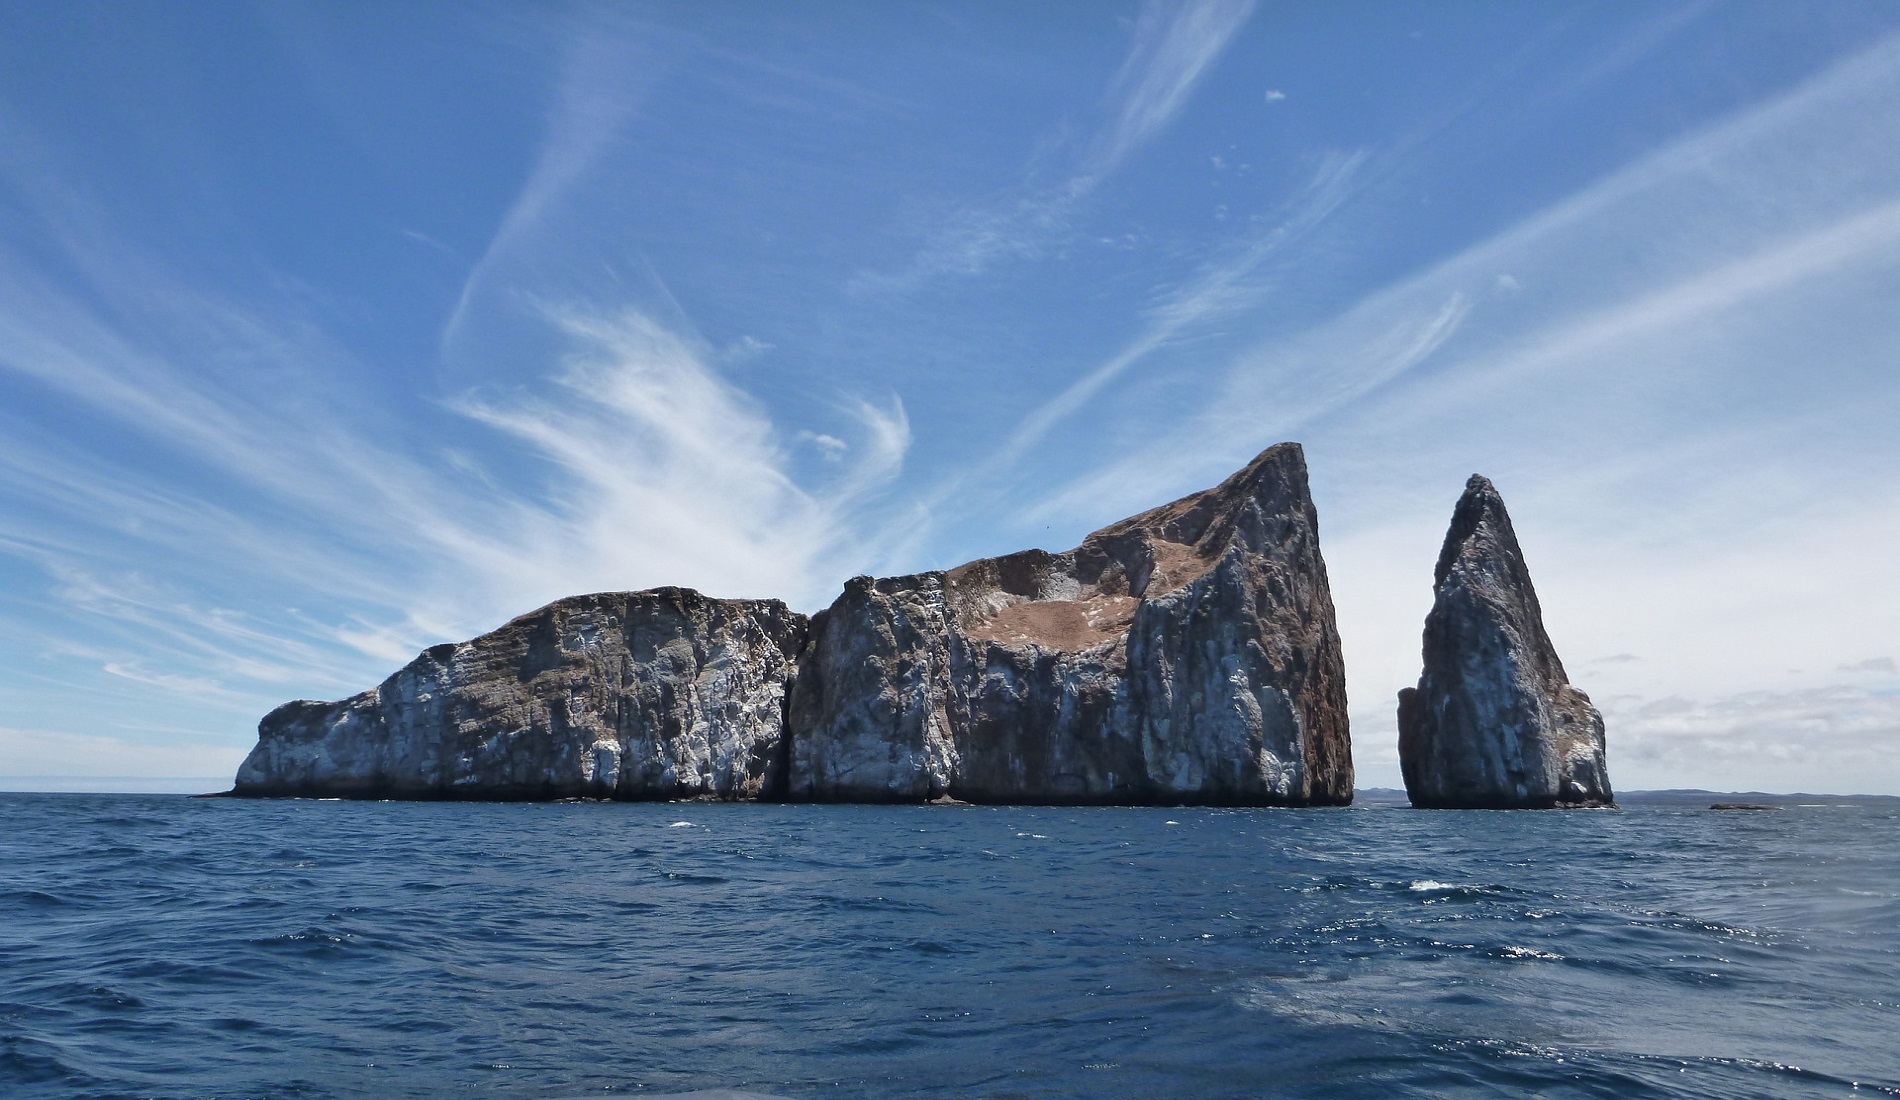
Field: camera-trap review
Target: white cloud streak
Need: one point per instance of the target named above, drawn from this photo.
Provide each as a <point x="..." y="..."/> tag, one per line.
<point x="672" y="474"/>
<point x="1799" y="189"/>
<point x="649" y="469"/>
<point x="227" y="518"/>
<point x="597" y="97"/>
<point x="1173" y="47"/>
<point x="1223" y="291"/>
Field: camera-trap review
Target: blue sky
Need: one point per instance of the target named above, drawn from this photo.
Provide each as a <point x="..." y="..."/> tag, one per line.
<point x="329" y="332"/>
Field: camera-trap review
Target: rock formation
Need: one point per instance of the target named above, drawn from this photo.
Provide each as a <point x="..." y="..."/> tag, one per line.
<point x="1188" y="654"/>
<point x="1494" y="722"/>
<point x="660" y="694"/>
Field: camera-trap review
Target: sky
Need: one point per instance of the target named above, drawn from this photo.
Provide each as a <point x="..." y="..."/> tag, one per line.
<point x="332" y="331"/>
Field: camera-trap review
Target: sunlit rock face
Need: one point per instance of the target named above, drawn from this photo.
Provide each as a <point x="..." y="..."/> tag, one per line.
<point x="1494" y="722"/>
<point x="643" y="695"/>
<point x="1188" y="654"/>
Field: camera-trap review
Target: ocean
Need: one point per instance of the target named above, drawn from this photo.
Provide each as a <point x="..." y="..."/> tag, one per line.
<point x="159" y="946"/>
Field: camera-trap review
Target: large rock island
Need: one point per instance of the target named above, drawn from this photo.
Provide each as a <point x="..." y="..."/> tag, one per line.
<point x="1186" y="655"/>
<point x="1494" y="722"/>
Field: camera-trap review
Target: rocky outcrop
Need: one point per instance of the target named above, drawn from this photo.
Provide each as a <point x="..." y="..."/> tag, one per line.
<point x="1188" y="654"/>
<point x="1494" y="722"/>
<point x="643" y="695"/>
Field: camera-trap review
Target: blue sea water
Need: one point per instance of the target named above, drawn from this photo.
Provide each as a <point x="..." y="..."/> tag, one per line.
<point x="157" y="946"/>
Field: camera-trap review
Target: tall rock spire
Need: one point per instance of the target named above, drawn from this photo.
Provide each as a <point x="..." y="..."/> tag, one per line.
<point x="1494" y="722"/>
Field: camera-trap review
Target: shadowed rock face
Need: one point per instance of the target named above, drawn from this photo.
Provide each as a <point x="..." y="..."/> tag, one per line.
<point x="643" y="695"/>
<point x="1188" y="654"/>
<point x="1494" y="722"/>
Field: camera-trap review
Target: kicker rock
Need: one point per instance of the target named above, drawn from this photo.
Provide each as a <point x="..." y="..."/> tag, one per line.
<point x="1494" y="722"/>
<point x="1186" y="655"/>
<point x="642" y="695"/>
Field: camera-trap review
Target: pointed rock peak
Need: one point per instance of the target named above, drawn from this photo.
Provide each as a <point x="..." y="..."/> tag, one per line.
<point x="1494" y="721"/>
<point x="1275" y="481"/>
<point x="1273" y="470"/>
<point x="1277" y="460"/>
<point x="1479" y="505"/>
<point x="1480" y="528"/>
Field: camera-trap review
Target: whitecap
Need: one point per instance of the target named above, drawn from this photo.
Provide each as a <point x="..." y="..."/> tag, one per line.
<point x="1529" y="953"/>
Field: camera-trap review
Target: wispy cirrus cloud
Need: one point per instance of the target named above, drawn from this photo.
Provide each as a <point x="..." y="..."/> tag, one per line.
<point x="1221" y="291"/>
<point x="232" y="512"/>
<point x="1172" y="48"/>
<point x="1796" y="191"/>
<point x="603" y="75"/>
<point x="652" y="451"/>
<point x="632" y="464"/>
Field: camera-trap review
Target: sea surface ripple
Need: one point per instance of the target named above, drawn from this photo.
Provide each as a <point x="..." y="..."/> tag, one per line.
<point x="155" y="946"/>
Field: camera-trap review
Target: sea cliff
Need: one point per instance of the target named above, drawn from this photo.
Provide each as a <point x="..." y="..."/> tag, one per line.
<point x="1185" y="655"/>
<point x="632" y="695"/>
<point x="1188" y="654"/>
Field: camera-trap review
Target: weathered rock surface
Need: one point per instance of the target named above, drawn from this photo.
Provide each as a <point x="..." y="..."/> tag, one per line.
<point x="642" y="695"/>
<point x="1494" y="722"/>
<point x="1188" y="654"/>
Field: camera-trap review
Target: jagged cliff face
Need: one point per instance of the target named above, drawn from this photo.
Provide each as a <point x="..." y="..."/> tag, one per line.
<point x="1494" y="721"/>
<point x="1188" y="654"/>
<point x="660" y="694"/>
